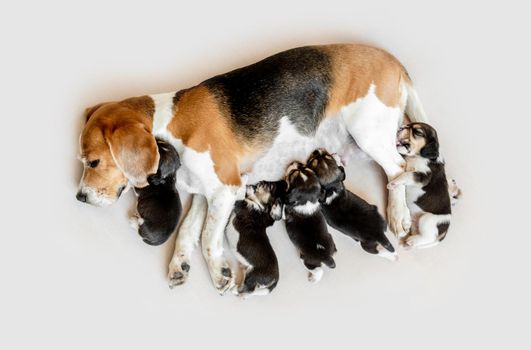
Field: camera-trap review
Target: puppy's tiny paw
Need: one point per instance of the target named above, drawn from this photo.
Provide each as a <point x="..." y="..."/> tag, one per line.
<point x="315" y="275"/>
<point x="392" y="185"/>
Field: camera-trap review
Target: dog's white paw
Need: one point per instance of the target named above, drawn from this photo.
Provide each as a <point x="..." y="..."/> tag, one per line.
<point x="178" y="271"/>
<point x="221" y="274"/>
<point x="315" y="275"/>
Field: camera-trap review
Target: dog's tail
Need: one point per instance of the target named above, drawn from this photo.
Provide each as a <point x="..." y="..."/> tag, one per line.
<point x="414" y="108"/>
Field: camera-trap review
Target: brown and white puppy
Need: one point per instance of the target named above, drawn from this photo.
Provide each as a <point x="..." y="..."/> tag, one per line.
<point x="346" y="212"/>
<point x="247" y="237"/>
<point x="159" y="205"/>
<point x="305" y="224"/>
<point x="254" y="120"/>
<point x="427" y="189"/>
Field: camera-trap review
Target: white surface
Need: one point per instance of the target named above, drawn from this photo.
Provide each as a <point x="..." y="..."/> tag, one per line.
<point x="77" y="277"/>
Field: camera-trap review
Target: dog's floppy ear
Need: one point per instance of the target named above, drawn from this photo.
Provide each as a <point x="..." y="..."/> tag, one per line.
<point x="342" y="172"/>
<point x="280" y="188"/>
<point x="90" y="111"/>
<point x="134" y="150"/>
<point x="430" y="150"/>
<point x="322" y="197"/>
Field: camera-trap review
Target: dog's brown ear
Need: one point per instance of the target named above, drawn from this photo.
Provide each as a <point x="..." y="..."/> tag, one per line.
<point x="135" y="152"/>
<point x="90" y="111"/>
<point x="430" y="150"/>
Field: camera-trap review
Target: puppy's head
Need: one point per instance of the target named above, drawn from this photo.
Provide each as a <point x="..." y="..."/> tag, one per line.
<point x="418" y="139"/>
<point x="169" y="163"/>
<point x="303" y="185"/>
<point x="326" y="166"/>
<point x="117" y="149"/>
<point x="267" y="197"/>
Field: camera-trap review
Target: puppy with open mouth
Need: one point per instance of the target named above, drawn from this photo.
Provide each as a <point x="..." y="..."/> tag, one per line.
<point x="427" y="189"/>
<point x="159" y="206"/>
<point x="246" y="234"/>
<point x="345" y="211"/>
<point x="305" y="224"/>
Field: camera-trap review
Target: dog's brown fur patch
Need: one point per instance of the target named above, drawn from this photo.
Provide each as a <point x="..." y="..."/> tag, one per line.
<point x="201" y="124"/>
<point x="355" y="68"/>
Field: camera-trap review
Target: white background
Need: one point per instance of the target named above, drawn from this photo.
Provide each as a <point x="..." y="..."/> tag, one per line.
<point x="77" y="277"/>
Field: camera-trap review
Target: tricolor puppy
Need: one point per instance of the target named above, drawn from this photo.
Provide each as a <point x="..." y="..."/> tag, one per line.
<point x="253" y="120"/>
<point x="346" y="212"/>
<point x="427" y="189"/>
<point x="159" y="206"/>
<point x="305" y="224"/>
<point x="246" y="234"/>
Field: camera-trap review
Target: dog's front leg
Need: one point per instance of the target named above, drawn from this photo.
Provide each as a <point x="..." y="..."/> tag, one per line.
<point x="220" y="206"/>
<point x="186" y="240"/>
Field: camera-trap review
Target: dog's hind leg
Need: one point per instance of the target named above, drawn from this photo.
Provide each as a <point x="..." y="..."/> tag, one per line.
<point x="186" y="240"/>
<point x="428" y="231"/>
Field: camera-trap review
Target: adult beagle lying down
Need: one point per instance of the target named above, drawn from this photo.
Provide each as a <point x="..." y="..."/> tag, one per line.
<point x="255" y="120"/>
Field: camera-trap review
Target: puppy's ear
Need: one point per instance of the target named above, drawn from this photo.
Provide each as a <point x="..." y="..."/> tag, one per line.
<point x="342" y="172"/>
<point x="430" y="150"/>
<point x="134" y="150"/>
<point x="292" y="196"/>
<point x="280" y="188"/>
<point x="322" y="197"/>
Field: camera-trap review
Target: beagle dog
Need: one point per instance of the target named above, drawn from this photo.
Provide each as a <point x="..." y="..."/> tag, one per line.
<point x="254" y="120"/>
<point x="247" y="237"/>
<point x="159" y="205"/>
<point x="347" y="212"/>
<point x="427" y="190"/>
<point x="305" y="223"/>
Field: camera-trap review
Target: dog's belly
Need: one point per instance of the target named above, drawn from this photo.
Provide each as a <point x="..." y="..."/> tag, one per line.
<point x="290" y="145"/>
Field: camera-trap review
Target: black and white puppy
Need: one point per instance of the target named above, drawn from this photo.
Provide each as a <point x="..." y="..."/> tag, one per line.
<point x="305" y="224"/>
<point x="427" y="190"/>
<point x="246" y="235"/>
<point x="159" y="205"/>
<point x="345" y="211"/>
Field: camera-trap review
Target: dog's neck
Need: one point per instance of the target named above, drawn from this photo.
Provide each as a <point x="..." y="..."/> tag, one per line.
<point x="309" y="208"/>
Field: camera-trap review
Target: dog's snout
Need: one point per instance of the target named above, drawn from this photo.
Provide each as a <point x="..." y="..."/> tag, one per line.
<point x="82" y="197"/>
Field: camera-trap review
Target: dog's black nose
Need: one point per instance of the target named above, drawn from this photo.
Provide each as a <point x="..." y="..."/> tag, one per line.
<point x="82" y="197"/>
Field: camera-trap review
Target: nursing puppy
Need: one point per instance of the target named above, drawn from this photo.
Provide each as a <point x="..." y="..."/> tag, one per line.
<point x="346" y="212"/>
<point x="305" y="224"/>
<point x="246" y="234"/>
<point x="427" y="190"/>
<point x="159" y="206"/>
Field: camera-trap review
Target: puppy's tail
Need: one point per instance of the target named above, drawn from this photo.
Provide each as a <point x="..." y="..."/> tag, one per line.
<point x="414" y="108"/>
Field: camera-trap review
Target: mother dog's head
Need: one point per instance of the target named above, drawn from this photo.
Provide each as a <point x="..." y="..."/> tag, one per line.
<point x="117" y="149"/>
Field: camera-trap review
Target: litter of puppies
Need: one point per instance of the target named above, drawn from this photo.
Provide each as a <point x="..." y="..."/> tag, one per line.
<point x="310" y="197"/>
